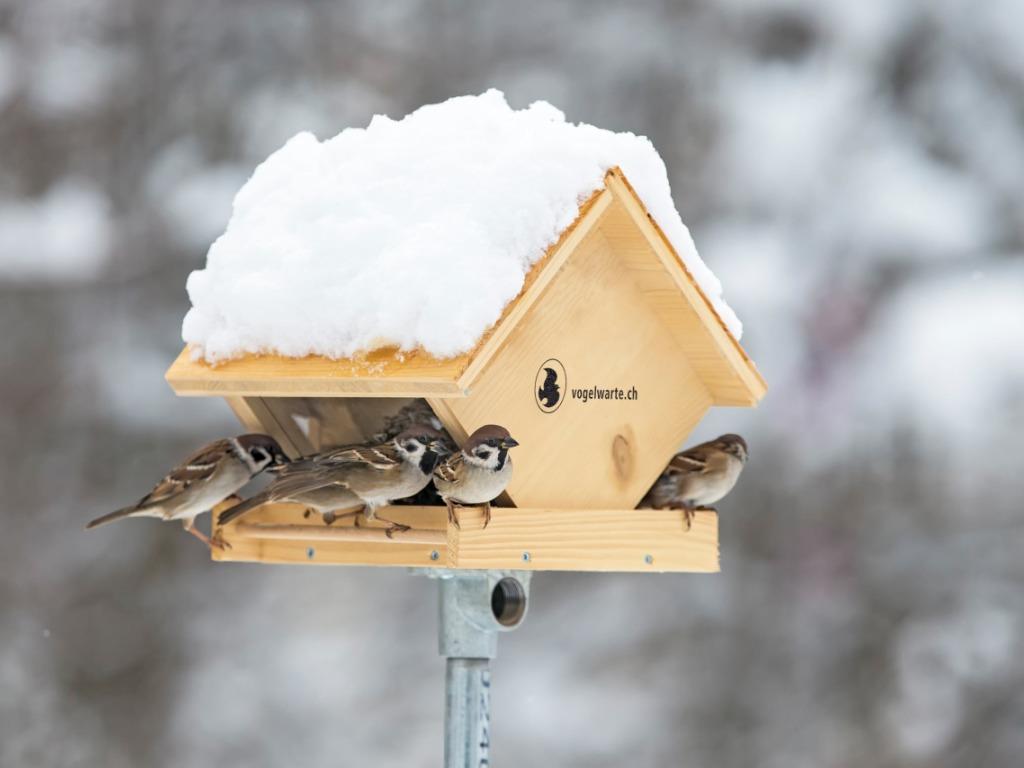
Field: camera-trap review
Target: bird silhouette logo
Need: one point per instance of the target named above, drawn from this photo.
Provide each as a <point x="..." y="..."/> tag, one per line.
<point x="548" y="394"/>
<point x="550" y="384"/>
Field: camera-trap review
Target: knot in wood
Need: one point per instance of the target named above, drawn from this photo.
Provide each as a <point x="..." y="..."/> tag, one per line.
<point x="622" y="455"/>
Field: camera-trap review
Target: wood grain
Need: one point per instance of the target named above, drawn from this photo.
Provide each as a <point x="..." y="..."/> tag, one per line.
<point x="721" y="363"/>
<point x="530" y="539"/>
<point x="278" y="533"/>
<point x="587" y="540"/>
<point x="382" y="373"/>
<point x="597" y="453"/>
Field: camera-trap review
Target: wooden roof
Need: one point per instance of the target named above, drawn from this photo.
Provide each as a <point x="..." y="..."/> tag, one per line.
<point x="719" y="360"/>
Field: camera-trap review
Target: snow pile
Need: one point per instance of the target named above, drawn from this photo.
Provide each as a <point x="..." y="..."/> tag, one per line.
<point x="415" y="233"/>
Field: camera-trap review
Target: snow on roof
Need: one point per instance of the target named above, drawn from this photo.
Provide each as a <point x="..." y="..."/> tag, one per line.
<point x="413" y="233"/>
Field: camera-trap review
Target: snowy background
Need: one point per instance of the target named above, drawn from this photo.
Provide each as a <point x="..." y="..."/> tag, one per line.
<point x="853" y="174"/>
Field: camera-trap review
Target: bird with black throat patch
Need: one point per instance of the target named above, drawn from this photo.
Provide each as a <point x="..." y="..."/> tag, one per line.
<point x="477" y="474"/>
<point x="209" y="476"/>
<point x="699" y="477"/>
<point x="355" y="479"/>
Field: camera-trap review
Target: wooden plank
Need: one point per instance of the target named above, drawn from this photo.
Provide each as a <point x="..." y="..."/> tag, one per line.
<point x="730" y="375"/>
<point x="382" y="373"/>
<point x="448" y="419"/>
<point x="587" y="540"/>
<point x="352" y="533"/>
<point x="245" y="414"/>
<point x="278" y="533"/>
<point x="256" y="416"/>
<point x="531" y="539"/>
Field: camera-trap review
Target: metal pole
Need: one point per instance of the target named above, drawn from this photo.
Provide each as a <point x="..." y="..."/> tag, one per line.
<point x="475" y="607"/>
<point x="467" y="713"/>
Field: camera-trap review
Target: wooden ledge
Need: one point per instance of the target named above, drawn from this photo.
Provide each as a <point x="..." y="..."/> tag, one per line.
<point x="530" y="539"/>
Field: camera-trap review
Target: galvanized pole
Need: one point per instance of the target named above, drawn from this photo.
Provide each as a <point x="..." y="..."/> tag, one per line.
<point x="475" y="607"/>
<point x="467" y="713"/>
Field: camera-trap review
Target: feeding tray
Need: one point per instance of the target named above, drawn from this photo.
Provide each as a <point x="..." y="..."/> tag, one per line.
<point x="515" y="538"/>
<point x="601" y="367"/>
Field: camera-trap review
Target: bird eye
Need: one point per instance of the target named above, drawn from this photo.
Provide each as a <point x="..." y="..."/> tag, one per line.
<point x="410" y="446"/>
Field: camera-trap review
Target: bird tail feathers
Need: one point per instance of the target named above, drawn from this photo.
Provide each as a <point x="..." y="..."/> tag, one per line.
<point x="110" y="517"/>
<point x="238" y="510"/>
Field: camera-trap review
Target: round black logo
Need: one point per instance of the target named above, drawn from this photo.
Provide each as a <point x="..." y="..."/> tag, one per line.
<point x="549" y="385"/>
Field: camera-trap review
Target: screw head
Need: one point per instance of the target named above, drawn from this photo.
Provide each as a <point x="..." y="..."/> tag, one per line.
<point x="526" y="557"/>
<point x="310" y="552"/>
<point x="648" y="559"/>
<point x="434" y="555"/>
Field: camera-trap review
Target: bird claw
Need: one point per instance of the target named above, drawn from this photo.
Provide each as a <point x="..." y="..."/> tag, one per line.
<point x="688" y="513"/>
<point x="217" y="541"/>
<point x="394" y="528"/>
<point x="453" y="519"/>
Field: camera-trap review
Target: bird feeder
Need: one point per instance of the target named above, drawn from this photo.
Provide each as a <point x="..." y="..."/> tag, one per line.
<point x="601" y="367"/>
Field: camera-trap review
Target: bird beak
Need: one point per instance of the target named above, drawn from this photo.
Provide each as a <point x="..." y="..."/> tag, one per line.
<point x="509" y="442"/>
<point x="439" y="447"/>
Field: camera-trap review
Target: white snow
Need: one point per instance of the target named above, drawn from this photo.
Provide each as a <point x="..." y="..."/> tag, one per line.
<point x="413" y="233"/>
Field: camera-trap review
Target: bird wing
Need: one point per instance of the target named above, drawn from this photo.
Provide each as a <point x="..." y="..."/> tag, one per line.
<point x="298" y="483"/>
<point x="282" y="489"/>
<point x="383" y="456"/>
<point x="352" y="466"/>
<point x="199" y="466"/>
<point x="357" y="467"/>
<point x="691" y="461"/>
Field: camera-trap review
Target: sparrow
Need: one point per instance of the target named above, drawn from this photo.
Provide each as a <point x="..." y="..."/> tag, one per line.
<point x="548" y="394"/>
<point x="415" y="412"/>
<point x="699" y="476"/>
<point x="211" y="475"/>
<point x="363" y="476"/>
<point x="478" y="473"/>
<point x="412" y="414"/>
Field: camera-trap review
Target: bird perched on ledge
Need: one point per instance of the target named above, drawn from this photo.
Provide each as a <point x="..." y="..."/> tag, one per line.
<point x="699" y="476"/>
<point x="363" y="477"/>
<point x="214" y="473"/>
<point x="478" y="473"/>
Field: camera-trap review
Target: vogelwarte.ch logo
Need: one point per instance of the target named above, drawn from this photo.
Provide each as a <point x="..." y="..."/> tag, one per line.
<point x="549" y="385"/>
<point x="551" y="389"/>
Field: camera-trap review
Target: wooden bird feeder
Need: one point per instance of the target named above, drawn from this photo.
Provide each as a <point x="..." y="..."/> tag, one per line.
<point x="638" y="356"/>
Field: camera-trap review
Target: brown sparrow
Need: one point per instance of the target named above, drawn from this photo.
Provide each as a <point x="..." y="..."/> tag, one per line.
<point x="410" y="415"/>
<point x="478" y="473"/>
<point x="209" y="476"/>
<point x="699" y="476"/>
<point x="360" y="476"/>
